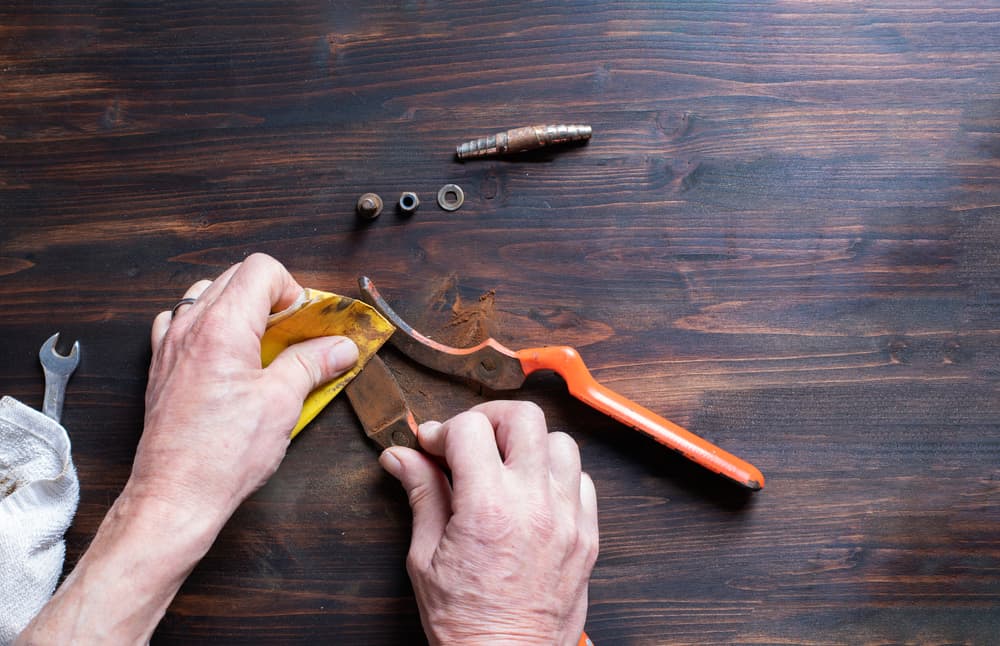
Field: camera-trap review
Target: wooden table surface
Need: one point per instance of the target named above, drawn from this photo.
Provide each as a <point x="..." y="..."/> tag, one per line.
<point x="784" y="234"/>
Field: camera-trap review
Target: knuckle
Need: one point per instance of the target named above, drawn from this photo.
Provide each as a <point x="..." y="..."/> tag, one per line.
<point x="258" y="258"/>
<point x="211" y="325"/>
<point x="163" y="319"/>
<point x="171" y="340"/>
<point x="177" y="337"/>
<point x="471" y="417"/>
<point x="418" y="494"/>
<point x="309" y="368"/>
<point x="562" y="442"/>
<point x="530" y="412"/>
<point x="415" y="565"/>
<point x="588" y="543"/>
<point x="470" y="420"/>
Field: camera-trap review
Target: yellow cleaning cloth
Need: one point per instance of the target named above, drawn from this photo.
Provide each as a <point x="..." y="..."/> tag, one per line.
<point x="316" y="314"/>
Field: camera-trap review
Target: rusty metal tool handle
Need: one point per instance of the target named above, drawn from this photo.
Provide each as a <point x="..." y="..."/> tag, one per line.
<point x="570" y="366"/>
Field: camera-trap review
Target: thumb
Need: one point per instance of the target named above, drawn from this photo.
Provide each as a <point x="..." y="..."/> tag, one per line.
<point x="430" y="498"/>
<point x="308" y="364"/>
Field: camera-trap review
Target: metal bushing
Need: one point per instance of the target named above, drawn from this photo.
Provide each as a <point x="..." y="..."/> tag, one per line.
<point x="369" y="206"/>
<point x="408" y="203"/>
<point x="450" y="197"/>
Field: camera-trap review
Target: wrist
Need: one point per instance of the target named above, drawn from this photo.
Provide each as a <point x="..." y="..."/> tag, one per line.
<point x="142" y="552"/>
<point x="486" y="635"/>
<point x="171" y="537"/>
<point x="505" y="638"/>
<point x="177" y="525"/>
<point x="490" y="629"/>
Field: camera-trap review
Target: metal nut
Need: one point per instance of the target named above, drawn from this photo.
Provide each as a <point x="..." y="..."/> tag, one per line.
<point x="369" y="206"/>
<point x="451" y="197"/>
<point x="408" y="203"/>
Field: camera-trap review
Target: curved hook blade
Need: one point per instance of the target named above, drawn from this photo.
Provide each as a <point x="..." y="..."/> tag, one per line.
<point x="489" y="363"/>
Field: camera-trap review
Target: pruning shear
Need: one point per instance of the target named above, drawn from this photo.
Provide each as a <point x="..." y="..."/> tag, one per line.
<point x="382" y="409"/>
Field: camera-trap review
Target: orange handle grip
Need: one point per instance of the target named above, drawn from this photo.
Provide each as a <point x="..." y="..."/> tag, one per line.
<point x="567" y="362"/>
<point x="584" y="641"/>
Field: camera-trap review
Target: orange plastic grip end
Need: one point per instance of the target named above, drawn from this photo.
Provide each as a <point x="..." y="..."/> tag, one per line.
<point x="569" y="365"/>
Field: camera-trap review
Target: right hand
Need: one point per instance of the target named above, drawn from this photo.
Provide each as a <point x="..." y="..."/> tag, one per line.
<point x="504" y="555"/>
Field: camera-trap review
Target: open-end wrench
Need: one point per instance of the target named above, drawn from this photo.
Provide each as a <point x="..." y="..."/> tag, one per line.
<point x="57" y="370"/>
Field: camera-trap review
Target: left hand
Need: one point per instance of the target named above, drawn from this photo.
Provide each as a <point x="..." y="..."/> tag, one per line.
<point x="217" y="423"/>
<point x="217" y="426"/>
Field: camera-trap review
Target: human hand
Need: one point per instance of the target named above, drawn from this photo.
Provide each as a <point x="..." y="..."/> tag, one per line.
<point x="217" y="426"/>
<point x="217" y="423"/>
<point x="504" y="553"/>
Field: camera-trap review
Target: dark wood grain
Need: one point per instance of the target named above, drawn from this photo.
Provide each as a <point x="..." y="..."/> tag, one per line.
<point x="783" y="234"/>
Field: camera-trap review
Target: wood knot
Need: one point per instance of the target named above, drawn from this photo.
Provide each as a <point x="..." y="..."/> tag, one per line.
<point x="489" y="188"/>
<point x="112" y="117"/>
<point x="899" y="351"/>
<point x="954" y="352"/>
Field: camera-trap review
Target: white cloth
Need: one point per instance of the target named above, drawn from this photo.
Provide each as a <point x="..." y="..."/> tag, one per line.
<point x="39" y="493"/>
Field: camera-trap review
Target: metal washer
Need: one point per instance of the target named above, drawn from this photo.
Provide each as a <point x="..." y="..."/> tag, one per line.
<point x="447" y="204"/>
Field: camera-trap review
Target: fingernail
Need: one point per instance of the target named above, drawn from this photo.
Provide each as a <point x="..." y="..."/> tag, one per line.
<point x="391" y="463"/>
<point x="343" y="354"/>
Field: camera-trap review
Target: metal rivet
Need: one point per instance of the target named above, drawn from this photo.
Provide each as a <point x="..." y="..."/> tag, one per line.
<point x="399" y="438"/>
<point x="369" y="206"/>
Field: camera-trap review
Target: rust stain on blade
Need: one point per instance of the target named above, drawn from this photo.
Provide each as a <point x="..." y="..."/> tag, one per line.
<point x="489" y="363"/>
<point x="378" y="402"/>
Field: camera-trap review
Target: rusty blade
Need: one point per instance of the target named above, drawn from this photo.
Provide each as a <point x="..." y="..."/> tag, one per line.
<point x="488" y="363"/>
<point x="379" y="403"/>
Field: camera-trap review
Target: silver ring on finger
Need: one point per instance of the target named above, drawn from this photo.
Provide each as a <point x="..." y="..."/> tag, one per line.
<point x="181" y="303"/>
